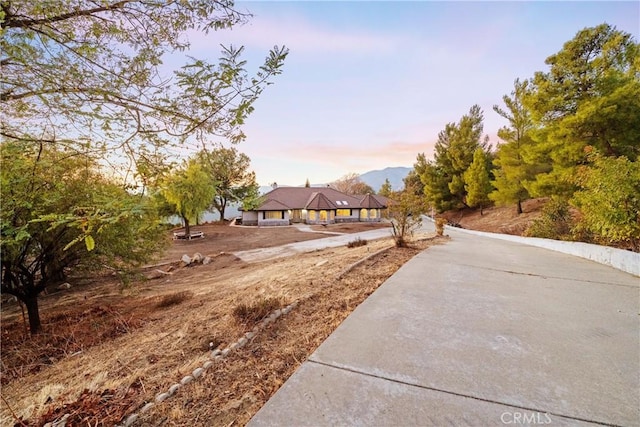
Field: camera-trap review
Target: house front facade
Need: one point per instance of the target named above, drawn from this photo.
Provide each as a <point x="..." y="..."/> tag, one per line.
<point x="314" y="205"/>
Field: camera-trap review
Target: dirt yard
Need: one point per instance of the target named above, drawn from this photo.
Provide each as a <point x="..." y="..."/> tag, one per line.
<point x="107" y="350"/>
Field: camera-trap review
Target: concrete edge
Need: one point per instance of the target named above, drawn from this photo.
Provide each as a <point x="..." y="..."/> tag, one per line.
<point x="620" y="259"/>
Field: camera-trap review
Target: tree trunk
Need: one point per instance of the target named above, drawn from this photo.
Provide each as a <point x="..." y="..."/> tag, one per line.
<point x="31" y="302"/>
<point x="223" y="207"/>
<point x="187" y="228"/>
<point x="519" y="206"/>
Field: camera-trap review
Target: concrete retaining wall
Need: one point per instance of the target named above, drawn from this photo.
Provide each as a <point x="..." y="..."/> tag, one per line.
<point x="617" y="258"/>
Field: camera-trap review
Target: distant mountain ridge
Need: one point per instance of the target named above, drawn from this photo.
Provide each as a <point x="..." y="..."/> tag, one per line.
<point x="373" y="179"/>
<point x="395" y="175"/>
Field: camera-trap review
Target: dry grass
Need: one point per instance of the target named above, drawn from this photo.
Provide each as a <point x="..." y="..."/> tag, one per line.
<point x="248" y="314"/>
<point x="125" y="370"/>
<point x="357" y="242"/>
<point x="173" y="299"/>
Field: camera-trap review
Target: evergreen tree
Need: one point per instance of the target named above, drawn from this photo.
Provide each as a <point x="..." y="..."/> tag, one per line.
<point x="512" y="168"/>
<point x="385" y="188"/>
<point x="443" y="178"/>
<point x="589" y="96"/>
<point x="477" y="184"/>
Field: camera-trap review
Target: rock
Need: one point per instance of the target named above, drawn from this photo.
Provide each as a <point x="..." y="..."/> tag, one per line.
<point x="130" y="420"/>
<point x="197" y="373"/>
<point x="249" y="335"/>
<point x="186" y="259"/>
<point x="233" y="346"/>
<point x="147" y="407"/>
<point x="64" y="286"/>
<point x="215" y="352"/>
<point x="323" y="262"/>
<point x="161" y="397"/>
<point x="156" y="274"/>
<point x="206" y="260"/>
<point x="174" y="388"/>
<point x="197" y="258"/>
<point x="207" y="364"/>
<point x="225" y="352"/>
<point x="186" y="380"/>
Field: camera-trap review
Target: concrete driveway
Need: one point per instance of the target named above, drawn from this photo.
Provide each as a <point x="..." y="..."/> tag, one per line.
<point x="477" y="332"/>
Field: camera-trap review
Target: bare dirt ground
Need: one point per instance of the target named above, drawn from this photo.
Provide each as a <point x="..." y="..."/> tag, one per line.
<point x="106" y="350"/>
<point x="498" y="219"/>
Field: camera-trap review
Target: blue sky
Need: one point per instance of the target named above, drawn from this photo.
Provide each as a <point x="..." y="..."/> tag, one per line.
<point x="370" y="84"/>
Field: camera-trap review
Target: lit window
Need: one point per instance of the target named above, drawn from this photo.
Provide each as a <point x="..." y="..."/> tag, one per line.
<point x="323" y="215"/>
<point x="343" y="212"/>
<point x="274" y="215"/>
<point x="363" y="213"/>
<point x="312" y="215"/>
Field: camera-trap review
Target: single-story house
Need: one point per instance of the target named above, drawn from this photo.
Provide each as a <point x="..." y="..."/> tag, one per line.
<point x="314" y="205"/>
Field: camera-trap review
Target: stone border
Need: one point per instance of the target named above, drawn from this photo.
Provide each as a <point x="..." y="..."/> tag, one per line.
<point x="215" y="356"/>
<point x="360" y="262"/>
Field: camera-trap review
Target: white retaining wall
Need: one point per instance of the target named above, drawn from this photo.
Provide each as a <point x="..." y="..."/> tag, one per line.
<point x="618" y="258"/>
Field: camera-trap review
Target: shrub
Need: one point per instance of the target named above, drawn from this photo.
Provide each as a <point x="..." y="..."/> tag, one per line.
<point x="357" y="242"/>
<point x="173" y="299"/>
<point x="253" y="313"/>
<point x="440" y="223"/>
<point x="554" y="222"/>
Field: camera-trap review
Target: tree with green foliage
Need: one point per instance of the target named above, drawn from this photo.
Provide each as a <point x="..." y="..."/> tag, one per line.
<point x="190" y="190"/>
<point x="89" y="76"/>
<point x="513" y="165"/>
<point x="59" y="215"/>
<point x="453" y="154"/>
<point x="405" y="213"/>
<point x="229" y="170"/>
<point x="385" y="189"/>
<point x="589" y="96"/>
<point x="609" y="200"/>
<point x="477" y="184"/>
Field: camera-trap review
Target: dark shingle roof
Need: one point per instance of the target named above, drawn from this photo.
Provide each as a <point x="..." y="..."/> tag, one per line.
<point x="371" y="202"/>
<point x="319" y="201"/>
<point x="300" y="197"/>
<point x="273" y="205"/>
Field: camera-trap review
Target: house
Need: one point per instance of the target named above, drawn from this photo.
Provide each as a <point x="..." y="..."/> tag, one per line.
<point x="314" y="205"/>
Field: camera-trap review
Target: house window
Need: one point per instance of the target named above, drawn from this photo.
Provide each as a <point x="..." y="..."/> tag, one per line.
<point x="274" y="215"/>
<point x="363" y="214"/>
<point x="373" y="213"/>
<point x="323" y="215"/>
<point x="343" y="212"/>
<point x="312" y="215"/>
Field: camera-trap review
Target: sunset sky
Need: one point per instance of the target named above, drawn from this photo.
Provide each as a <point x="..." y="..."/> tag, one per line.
<point x="370" y="84"/>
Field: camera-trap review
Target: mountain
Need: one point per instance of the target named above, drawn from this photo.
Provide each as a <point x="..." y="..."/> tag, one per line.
<point x="395" y="175"/>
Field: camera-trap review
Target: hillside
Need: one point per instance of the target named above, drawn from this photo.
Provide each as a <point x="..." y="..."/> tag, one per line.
<point x="495" y="219"/>
<point x="395" y="175"/>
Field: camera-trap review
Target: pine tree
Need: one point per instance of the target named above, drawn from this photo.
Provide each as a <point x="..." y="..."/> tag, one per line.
<point x="589" y="96"/>
<point x="512" y="170"/>
<point x="477" y="184"/>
